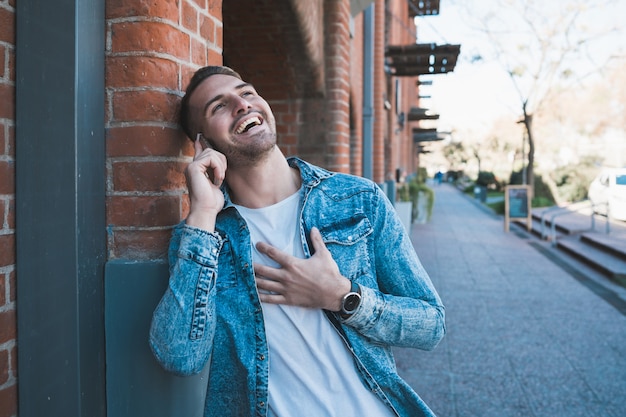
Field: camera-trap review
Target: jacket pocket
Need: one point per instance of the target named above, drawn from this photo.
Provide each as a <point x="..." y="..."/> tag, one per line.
<point x="347" y="240"/>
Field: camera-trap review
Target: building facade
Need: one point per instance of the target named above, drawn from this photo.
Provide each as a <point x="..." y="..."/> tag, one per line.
<point x="91" y="162"/>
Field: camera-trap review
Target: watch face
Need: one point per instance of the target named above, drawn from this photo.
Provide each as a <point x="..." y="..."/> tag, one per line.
<point x="351" y="302"/>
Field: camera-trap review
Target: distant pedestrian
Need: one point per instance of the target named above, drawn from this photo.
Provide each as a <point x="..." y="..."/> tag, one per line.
<point x="438" y="177"/>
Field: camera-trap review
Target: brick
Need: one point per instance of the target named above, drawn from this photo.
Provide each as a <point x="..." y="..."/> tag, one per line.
<point x="199" y="53"/>
<point x="145" y="106"/>
<point x="141" y="71"/>
<point x="7" y="250"/>
<point x="189" y="17"/>
<point x="4" y="366"/>
<point x="8" y="401"/>
<point x="215" y="9"/>
<point x="141" y="244"/>
<point x="186" y="72"/>
<point x="148" y="176"/>
<point x="149" y="37"/>
<point x="215" y="58"/>
<point x="143" y="211"/>
<point x="166" y="9"/>
<point x="207" y="29"/>
<point x="7" y="104"/>
<point x="7" y="173"/>
<point x="7" y="326"/>
<point x="146" y="141"/>
<point x="7" y="26"/>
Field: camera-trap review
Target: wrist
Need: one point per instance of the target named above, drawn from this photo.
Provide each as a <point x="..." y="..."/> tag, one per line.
<point x="351" y="301"/>
<point x="204" y="221"/>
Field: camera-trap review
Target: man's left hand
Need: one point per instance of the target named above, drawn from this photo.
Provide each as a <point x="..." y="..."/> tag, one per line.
<point x="314" y="282"/>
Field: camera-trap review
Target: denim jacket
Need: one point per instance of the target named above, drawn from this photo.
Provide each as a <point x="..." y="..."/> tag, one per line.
<point x="211" y="313"/>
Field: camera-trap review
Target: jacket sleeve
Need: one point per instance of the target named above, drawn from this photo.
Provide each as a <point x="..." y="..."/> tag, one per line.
<point x="405" y="310"/>
<point x="183" y="323"/>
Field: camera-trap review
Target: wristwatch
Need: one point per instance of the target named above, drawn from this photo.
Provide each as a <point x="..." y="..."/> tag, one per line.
<point x="351" y="301"/>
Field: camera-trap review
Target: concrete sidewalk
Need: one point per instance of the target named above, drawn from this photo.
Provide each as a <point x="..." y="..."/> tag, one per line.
<point x="526" y="337"/>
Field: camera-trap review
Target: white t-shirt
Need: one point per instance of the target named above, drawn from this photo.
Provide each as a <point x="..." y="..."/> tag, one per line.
<point x="311" y="371"/>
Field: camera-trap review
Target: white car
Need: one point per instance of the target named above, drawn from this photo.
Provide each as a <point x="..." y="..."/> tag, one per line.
<point x="608" y="191"/>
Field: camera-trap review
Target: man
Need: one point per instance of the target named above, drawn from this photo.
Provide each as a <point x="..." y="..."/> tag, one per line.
<point x="291" y="282"/>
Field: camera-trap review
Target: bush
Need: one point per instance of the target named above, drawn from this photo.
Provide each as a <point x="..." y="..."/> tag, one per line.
<point x="403" y="193"/>
<point x="486" y="179"/>
<point x="541" y="202"/>
<point x="415" y="188"/>
<point x="497" y="207"/>
<point x="572" y="181"/>
<point x="409" y="191"/>
<point x="542" y="193"/>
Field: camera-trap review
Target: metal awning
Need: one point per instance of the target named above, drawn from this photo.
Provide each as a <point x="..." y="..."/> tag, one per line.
<point x="427" y="135"/>
<point x="421" y="59"/>
<point x="420" y="113"/>
<point x="423" y="7"/>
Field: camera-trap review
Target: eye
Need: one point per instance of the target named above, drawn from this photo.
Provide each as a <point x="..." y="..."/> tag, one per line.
<point x="217" y="107"/>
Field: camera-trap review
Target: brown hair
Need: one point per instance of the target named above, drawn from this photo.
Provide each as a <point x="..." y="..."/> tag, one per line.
<point x="197" y="79"/>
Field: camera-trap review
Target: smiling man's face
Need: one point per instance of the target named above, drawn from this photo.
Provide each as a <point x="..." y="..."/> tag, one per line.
<point x="234" y="119"/>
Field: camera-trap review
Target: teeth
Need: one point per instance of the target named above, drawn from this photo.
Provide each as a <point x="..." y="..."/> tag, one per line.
<point x="253" y="121"/>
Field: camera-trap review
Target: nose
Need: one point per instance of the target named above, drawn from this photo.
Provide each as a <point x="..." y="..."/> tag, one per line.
<point x="240" y="104"/>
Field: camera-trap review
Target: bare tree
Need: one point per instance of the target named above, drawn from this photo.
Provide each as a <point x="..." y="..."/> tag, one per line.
<point x="541" y="45"/>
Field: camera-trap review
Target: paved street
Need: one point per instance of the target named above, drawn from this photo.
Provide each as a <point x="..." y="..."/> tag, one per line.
<point x="526" y="336"/>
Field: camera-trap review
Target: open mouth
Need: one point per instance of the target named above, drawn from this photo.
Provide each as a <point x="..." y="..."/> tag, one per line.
<point x="248" y="124"/>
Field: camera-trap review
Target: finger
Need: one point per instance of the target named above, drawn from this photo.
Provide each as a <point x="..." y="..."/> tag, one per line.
<point x="275" y="254"/>
<point x="219" y="168"/>
<point x="272" y="298"/>
<point x="268" y="285"/>
<point x="214" y="163"/>
<point x="267" y="272"/>
<point x="317" y="240"/>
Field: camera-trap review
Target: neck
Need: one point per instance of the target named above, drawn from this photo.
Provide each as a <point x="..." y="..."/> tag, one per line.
<point x="266" y="183"/>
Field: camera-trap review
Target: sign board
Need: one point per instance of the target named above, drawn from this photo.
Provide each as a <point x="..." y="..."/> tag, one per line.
<point x="517" y="199"/>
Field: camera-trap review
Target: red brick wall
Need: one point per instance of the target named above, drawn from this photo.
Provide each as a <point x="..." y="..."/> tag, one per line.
<point x="269" y="50"/>
<point x="337" y="47"/>
<point x="152" y="49"/>
<point x="8" y="326"/>
<point x="297" y="54"/>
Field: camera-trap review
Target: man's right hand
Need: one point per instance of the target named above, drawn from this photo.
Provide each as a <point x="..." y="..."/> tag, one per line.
<point x="204" y="177"/>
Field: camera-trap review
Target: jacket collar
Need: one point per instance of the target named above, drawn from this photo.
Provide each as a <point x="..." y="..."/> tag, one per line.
<point x="311" y="176"/>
